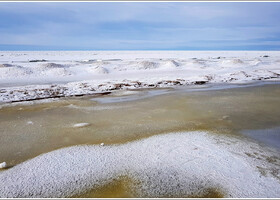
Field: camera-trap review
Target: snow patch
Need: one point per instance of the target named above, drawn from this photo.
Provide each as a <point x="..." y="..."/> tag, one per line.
<point x="170" y="64"/>
<point x="231" y="62"/>
<point x="79" y="125"/>
<point x="3" y="165"/>
<point x="144" y="65"/>
<point x="51" y="66"/>
<point x="13" y="71"/>
<point x="255" y="62"/>
<point x="176" y="164"/>
<point x="29" y="123"/>
<point x="98" y="70"/>
<point x="52" y="69"/>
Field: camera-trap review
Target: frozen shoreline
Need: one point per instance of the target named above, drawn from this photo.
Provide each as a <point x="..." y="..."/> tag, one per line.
<point x="180" y="164"/>
<point x="39" y="75"/>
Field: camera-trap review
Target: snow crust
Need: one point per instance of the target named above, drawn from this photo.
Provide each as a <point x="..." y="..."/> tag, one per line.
<point x="37" y="75"/>
<point x="175" y="164"/>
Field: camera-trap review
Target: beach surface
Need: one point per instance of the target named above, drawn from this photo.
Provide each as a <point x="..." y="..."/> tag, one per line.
<point x="140" y="124"/>
<point x="43" y="74"/>
<point x="190" y="164"/>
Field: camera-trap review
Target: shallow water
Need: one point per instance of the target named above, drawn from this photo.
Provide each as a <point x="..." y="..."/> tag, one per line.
<point x="29" y="130"/>
<point x="270" y="136"/>
<point x="119" y="188"/>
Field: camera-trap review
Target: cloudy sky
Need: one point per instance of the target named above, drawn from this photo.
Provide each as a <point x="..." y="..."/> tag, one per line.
<point x="140" y="26"/>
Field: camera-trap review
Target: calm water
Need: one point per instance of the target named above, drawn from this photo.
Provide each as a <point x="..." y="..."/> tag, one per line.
<point x="29" y="130"/>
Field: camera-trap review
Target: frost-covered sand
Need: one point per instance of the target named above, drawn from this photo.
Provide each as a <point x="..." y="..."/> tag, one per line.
<point x="188" y="164"/>
<point x="39" y="75"/>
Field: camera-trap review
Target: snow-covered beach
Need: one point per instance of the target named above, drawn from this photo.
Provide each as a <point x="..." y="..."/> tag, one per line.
<point x="170" y="99"/>
<point x="161" y="130"/>
<point x="42" y="74"/>
<point x="190" y="164"/>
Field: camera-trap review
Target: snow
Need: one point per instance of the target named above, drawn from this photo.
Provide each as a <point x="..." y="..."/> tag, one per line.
<point x="181" y="164"/>
<point x="88" y="72"/>
<point x="29" y="123"/>
<point x="5" y="65"/>
<point x="81" y="125"/>
<point x="98" y="70"/>
<point x="14" y="71"/>
<point x="3" y="165"/>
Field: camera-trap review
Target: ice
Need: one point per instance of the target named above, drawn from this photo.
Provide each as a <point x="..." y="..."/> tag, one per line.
<point x="81" y="125"/>
<point x="3" y="165"/>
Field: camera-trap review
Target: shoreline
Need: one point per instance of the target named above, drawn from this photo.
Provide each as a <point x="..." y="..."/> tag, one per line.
<point x="124" y="116"/>
<point x="83" y="166"/>
<point x="57" y="92"/>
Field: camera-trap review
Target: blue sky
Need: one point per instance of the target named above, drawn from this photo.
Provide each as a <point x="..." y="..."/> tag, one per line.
<point x="140" y="26"/>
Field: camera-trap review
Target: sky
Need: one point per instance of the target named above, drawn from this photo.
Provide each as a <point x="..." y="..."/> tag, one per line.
<point x="140" y="26"/>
